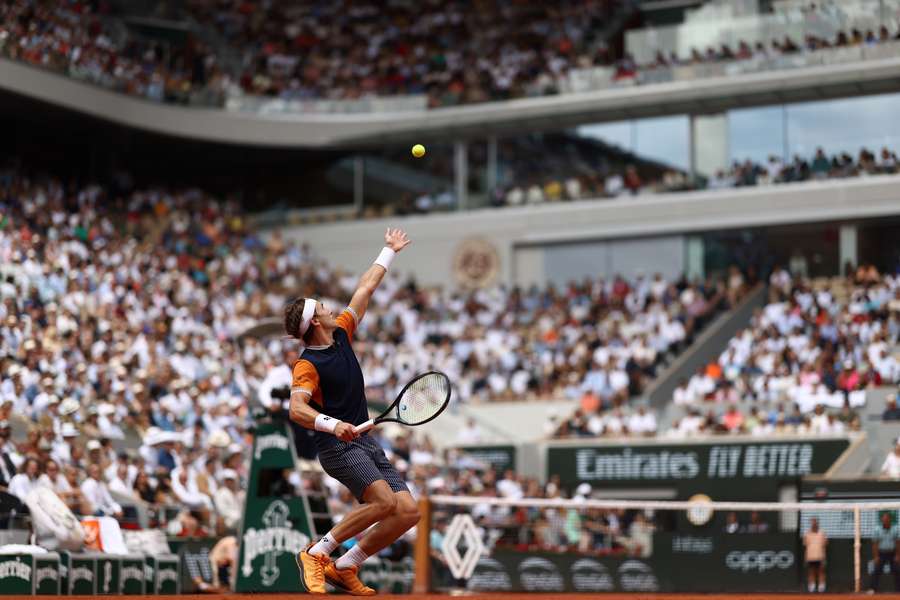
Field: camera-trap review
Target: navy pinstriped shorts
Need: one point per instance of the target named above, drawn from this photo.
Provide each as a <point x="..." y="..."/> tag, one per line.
<point x="358" y="464"/>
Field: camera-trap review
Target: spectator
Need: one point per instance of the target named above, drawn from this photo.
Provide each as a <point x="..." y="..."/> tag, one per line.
<point x="23" y="483"/>
<point x="756" y="524"/>
<point x="229" y="499"/>
<point x="891" y="466"/>
<point x="891" y="411"/>
<point x="471" y="433"/>
<point x="97" y="494"/>
<point x="731" y="523"/>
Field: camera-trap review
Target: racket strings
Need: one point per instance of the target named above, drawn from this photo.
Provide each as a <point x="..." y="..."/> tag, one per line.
<point x="424" y="398"/>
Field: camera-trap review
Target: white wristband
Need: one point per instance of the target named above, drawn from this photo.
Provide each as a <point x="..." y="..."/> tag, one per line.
<point x="385" y="257"/>
<point x="326" y="423"/>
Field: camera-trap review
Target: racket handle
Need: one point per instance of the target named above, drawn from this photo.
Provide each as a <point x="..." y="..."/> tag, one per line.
<point x="364" y="427"/>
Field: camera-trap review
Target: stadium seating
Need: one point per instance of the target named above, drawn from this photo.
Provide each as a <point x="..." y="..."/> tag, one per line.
<point x="304" y="51"/>
<point x="122" y="371"/>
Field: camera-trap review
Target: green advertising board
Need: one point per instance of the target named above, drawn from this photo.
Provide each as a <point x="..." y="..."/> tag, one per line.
<point x="82" y="574"/>
<point x="161" y="574"/>
<point x="47" y="577"/>
<point x="107" y="575"/>
<point x="131" y="575"/>
<point x="64" y="559"/>
<point x="500" y="457"/>
<point x="15" y="574"/>
<point x="738" y="563"/>
<point x="276" y="525"/>
<point x="726" y="470"/>
<point x="168" y="579"/>
<point x="388" y="576"/>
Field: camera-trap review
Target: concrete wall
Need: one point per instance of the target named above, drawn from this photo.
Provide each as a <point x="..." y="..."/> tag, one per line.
<point x="558" y="241"/>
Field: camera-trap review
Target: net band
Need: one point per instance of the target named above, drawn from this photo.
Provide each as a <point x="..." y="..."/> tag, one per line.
<point x="662" y="504"/>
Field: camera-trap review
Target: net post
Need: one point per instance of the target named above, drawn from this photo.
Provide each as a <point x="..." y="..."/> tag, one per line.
<point x="422" y="554"/>
<point x="857" y="547"/>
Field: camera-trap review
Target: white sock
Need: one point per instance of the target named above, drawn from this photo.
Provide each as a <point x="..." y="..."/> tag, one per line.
<point x="324" y="546"/>
<point x="354" y="557"/>
<point x="821" y="587"/>
<point x="811" y="587"/>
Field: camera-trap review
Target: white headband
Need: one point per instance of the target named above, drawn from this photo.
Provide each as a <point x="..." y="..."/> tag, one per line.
<point x="309" y="311"/>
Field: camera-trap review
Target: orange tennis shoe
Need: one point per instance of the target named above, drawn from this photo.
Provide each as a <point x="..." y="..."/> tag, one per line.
<point x="347" y="580"/>
<point x="312" y="570"/>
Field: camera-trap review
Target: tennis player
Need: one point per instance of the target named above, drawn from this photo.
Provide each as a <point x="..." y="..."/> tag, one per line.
<point x="328" y="395"/>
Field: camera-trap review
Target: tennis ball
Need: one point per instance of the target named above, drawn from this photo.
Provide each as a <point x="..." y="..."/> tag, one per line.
<point x="418" y="150"/>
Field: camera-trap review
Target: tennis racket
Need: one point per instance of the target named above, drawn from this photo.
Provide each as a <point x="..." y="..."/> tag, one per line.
<point x="420" y="401"/>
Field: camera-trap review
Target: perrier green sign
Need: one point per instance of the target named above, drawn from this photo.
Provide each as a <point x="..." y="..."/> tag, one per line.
<point x="276" y="524"/>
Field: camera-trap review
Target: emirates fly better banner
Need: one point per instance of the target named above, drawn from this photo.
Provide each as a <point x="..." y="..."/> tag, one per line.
<point x="713" y="468"/>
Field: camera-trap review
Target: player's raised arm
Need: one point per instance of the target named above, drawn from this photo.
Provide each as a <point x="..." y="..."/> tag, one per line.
<point x="395" y="240"/>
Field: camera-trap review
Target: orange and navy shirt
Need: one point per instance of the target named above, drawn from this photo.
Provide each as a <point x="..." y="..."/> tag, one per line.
<point x="333" y="378"/>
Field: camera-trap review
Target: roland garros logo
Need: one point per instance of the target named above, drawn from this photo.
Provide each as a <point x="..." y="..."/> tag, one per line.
<point x="276" y="538"/>
<point x="15" y="568"/>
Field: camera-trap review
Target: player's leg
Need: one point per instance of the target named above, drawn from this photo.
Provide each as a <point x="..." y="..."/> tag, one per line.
<point x="404" y="517"/>
<point x="353" y="466"/>
<point x="822" y="576"/>
<point x="343" y="572"/>
<point x="810" y="577"/>
<point x="379" y="503"/>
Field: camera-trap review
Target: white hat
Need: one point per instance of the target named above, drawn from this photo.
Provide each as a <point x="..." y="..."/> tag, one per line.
<point x="106" y="409"/>
<point x="228" y="474"/>
<point x="151" y="436"/>
<point x="13" y="370"/>
<point x="93" y="445"/>
<point x="584" y="489"/>
<point x="848" y="364"/>
<point x="68" y="406"/>
<point x="68" y="430"/>
<point x="235" y="449"/>
<point x="219" y="439"/>
<point x="53" y="399"/>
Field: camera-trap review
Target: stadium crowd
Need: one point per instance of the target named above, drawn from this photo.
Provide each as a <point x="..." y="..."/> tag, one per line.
<point x="801" y="367"/>
<point x="306" y="50"/>
<point x="81" y="40"/>
<point x="124" y="373"/>
<point x="747" y="173"/>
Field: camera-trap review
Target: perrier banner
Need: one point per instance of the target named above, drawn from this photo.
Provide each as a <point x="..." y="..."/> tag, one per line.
<point x="276" y="523"/>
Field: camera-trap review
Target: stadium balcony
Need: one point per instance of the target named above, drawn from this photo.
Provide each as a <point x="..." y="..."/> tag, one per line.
<point x="275" y="126"/>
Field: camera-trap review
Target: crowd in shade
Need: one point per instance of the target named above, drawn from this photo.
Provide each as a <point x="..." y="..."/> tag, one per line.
<point x="629" y="182"/>
<point x="451" y="51"/>
<point x="81" y="39"/>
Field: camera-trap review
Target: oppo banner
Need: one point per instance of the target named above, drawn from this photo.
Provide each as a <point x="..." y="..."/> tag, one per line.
<point x="721" y="470"/>
<point x="741" y="563"/>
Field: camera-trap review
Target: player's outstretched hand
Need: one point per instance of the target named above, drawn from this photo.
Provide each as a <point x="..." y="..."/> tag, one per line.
<point x="396" y="239"/>
<point x="345" y="432"/>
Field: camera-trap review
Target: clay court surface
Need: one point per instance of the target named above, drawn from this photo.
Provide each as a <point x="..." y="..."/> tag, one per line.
<point x="510" y="596"/>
